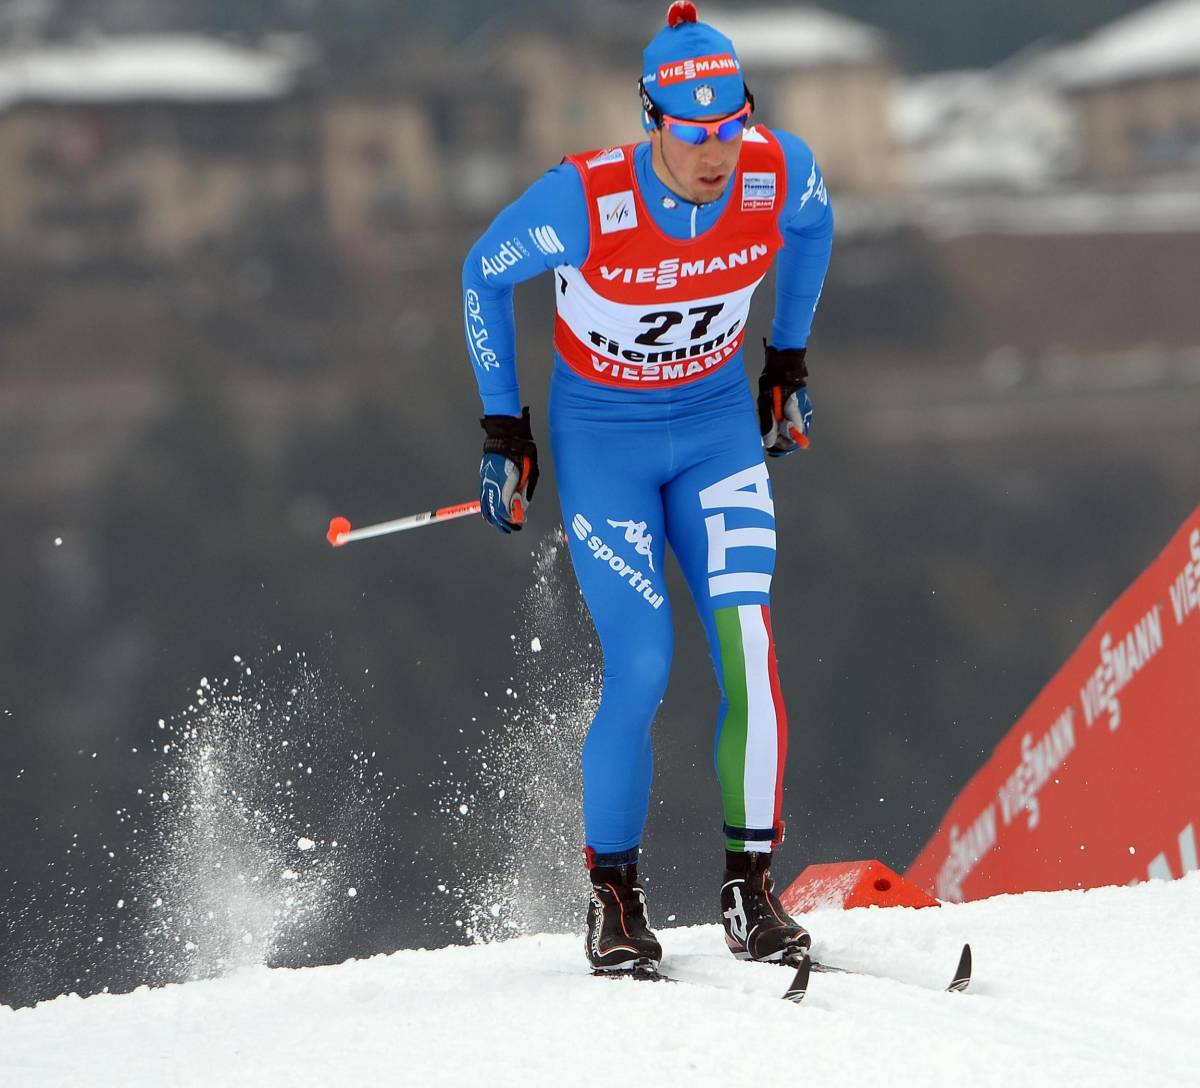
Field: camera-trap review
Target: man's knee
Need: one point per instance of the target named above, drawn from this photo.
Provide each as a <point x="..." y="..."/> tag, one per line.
<point x="640" y="673"/>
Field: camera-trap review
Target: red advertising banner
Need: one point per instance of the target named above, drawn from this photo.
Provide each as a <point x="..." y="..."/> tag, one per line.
<point x="1099" y="780"/>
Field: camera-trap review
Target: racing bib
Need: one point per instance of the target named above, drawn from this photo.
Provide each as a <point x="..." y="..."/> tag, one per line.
<point x="646" y="310"/>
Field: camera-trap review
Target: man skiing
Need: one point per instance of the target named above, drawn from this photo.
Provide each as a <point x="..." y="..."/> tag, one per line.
<point x="656" y="249"/>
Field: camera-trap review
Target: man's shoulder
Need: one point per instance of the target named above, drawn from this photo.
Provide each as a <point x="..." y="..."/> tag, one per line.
<point x="561" y="186"/>
<point x="794" y="149"/>
<point x="797" y="152"/>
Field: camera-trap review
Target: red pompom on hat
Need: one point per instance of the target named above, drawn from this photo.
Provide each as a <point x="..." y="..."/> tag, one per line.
<point x="682" y="11"/>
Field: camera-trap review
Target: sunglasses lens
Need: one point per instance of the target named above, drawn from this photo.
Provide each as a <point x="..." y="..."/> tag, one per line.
<point x="731" y="129"/>
<point x="689" y="134"/>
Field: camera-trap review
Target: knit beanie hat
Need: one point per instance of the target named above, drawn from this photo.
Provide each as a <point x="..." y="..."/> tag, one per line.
<point x="690" y="69"/>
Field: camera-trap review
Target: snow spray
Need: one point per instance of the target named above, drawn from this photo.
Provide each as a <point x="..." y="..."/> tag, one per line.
<point x="516" y="816"/>
<point x="266" y="826"/>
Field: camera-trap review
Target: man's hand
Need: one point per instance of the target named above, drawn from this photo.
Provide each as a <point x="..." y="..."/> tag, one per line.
<point x="508" y="472"/>
<point x="784" y="410"/>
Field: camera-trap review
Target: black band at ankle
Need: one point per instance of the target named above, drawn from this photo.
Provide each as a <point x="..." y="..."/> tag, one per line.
<point x="755" y="834"/>
<point x="609" y="861"/>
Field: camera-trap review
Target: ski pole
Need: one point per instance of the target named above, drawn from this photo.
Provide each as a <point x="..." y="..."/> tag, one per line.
<point x="340" y="532"/>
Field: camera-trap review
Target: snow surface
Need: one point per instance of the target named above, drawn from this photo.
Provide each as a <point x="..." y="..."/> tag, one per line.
<point x="1070" y="988"/>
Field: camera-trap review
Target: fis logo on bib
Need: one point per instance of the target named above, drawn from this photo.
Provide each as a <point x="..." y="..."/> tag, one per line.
<point x="758" y="192"/>
<point x="617" y="212"/>
<point x="603" y="553"/>
<point x="509" y="255"/>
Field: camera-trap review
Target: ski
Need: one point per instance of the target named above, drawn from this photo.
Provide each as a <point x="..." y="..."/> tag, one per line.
<point x="643" y="970"/>
<point x="958" y="984"/>
<point x="649" y="971"/>
<point x="798" y="987"/>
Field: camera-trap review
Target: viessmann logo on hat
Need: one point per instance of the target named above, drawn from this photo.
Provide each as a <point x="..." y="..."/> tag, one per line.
<point x="680" y="71"/>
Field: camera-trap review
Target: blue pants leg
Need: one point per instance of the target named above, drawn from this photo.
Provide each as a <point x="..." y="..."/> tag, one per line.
<point x="721" y="526"/>
<point x="635" y="471"/>
<point x="615" y="527"/>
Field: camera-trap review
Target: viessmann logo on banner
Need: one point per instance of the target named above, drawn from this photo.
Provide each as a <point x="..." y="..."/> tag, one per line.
<point x="1096" y="783"/>
<point x="680" y="71"/>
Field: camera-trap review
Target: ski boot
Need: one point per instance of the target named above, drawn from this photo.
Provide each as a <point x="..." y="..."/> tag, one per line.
<point x="619" y="937"/>
<point x="756" y="925"/>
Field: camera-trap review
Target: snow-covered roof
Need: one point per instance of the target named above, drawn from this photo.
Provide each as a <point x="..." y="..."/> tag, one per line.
<point x="142" y="68"/>
<point x="796" y="37"/>
<point x="1008" y="127"/>
<point x="1159" y="40"/>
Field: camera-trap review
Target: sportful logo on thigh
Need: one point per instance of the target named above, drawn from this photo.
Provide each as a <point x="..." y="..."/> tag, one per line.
<point x="634" y="578"/>
<point x="746" y="490"/>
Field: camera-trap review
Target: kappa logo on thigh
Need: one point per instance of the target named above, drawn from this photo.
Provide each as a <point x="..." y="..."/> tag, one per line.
<point x="746" y="490"/>
<point x="635" y="534"/>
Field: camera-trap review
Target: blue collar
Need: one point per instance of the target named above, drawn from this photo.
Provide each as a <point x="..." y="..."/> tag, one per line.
<point x="675" y="217"/>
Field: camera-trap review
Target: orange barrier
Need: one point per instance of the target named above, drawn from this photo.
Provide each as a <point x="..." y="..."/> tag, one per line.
<point x="1099" y="780"/>
<point x="849" y="884"/>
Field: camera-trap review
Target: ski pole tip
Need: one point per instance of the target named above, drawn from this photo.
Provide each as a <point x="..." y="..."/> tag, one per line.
<point x="338" y="527"/>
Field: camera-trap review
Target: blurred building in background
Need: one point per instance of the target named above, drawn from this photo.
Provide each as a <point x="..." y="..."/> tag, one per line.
<point x="1136" y="84"/>
<point x="1003" y="129"/>
<point x="812" y="72"/>
<point x="147" y="146"/>
<point x="1059" y="187"/>
<point x="1122" y="106"/>
<point x="829" y="78"/>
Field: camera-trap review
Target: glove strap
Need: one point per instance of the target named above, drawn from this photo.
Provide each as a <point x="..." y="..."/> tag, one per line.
<point x="508" y="435"/>
<point x="784" y="366"/>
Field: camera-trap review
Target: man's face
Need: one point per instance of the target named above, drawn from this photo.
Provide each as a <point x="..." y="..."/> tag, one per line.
<point x="697" y="172"/>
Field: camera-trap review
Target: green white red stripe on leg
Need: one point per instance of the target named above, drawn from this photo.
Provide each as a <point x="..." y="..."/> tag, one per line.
<point x="751" y="745"/>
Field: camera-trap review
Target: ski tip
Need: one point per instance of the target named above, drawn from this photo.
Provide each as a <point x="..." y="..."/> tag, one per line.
<point x="338" y="527"/>
<point x="962" y="976"/>
<point x="799" y="984"/>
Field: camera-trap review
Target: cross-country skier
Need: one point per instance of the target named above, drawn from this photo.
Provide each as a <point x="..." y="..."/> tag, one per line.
<point x="656" y="249"/>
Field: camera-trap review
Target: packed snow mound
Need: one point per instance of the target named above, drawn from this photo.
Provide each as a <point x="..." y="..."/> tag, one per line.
<point x="1070" y="988"/>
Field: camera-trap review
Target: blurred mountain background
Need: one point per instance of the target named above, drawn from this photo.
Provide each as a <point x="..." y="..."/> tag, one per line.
<point x="230" y="245"/>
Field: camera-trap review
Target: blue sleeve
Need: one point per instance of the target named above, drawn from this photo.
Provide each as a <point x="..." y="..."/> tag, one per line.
<point x="806" y="223"/>
<point x="545" y="227"/>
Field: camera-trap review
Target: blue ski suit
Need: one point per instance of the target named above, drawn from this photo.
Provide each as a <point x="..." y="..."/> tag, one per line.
<point x="656" y="440"/>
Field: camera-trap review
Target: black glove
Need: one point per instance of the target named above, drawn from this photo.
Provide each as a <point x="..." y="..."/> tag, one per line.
<point x="784" y="410"/>
<point x="508" y="472"/>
